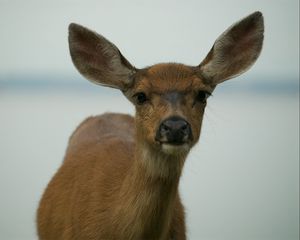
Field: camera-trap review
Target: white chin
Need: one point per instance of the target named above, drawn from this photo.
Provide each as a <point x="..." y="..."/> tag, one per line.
<point x="174" y="149"/>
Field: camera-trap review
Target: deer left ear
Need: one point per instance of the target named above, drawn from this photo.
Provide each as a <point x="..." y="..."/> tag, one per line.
<point x="98" y="59"/>
<point x="235" y="51"/>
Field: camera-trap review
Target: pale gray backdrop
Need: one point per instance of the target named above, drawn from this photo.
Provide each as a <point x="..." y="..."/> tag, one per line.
<point x="242" y="180"/>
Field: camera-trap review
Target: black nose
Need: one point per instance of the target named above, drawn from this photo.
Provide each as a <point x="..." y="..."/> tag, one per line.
<point x="174" y="130"/>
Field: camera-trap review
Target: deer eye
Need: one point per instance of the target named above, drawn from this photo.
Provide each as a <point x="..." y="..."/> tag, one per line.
<point x="202" y="96"/>
<point x="140" y="98"/>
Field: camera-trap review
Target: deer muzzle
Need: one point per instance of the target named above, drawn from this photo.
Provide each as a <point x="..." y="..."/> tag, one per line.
<point x="174" y="131"/>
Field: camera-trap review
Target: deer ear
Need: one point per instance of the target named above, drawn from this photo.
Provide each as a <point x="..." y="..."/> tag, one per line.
<point x="99" y="60"/>
<point x="235" y="51"/>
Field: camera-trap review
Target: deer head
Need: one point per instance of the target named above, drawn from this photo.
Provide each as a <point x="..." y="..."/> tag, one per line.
<point x="169" y="98"/>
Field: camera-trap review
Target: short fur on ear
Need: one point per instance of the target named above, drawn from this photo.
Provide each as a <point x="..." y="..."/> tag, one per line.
<point x="98" y="59"/>
<point x="235" y="51"/>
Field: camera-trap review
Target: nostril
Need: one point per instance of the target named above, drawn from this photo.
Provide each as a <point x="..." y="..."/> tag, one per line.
<point x="165" y="128"/>
<point x="184" y="126"/>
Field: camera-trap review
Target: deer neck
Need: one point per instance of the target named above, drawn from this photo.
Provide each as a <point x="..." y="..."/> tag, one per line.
<point x="149" y="192"/>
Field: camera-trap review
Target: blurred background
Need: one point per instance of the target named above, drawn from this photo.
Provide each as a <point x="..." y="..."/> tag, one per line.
<point x="240" y="182"/>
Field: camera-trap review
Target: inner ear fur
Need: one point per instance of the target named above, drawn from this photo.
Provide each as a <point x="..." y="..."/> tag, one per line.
<point x="234" y="51"/>
<point x="98" y="59"/>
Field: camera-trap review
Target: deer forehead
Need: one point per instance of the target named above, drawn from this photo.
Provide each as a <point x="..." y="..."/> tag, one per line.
<point x="169" y="77"/>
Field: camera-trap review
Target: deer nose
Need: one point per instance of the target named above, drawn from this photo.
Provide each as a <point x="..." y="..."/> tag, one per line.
<point x="174" y="130"/>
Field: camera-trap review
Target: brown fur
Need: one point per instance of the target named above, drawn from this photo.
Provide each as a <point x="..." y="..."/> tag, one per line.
<point x="117" y="180"/>
<point x="79" y="204"/>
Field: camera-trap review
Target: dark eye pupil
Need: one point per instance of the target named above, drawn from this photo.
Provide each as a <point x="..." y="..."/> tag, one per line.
<point x="141" y="98"/>
<point x="202" y="96"/>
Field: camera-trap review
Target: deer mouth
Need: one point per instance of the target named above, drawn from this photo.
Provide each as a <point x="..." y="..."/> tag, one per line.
<point x="173" y="143"/>
<point x="174" y="148"/>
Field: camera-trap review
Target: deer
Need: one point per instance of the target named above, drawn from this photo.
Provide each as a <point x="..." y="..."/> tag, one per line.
<point x="120" y="174"/>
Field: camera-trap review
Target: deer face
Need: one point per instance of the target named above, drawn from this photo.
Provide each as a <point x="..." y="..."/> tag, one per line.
<point x="170" y="98"/>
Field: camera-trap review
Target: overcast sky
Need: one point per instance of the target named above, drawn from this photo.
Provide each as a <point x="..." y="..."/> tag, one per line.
<point x="34" y="33"/>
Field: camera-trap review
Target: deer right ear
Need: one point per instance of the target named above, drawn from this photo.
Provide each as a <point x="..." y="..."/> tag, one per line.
<point x="98" y="59"/>
<point x="235" y="50"/>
